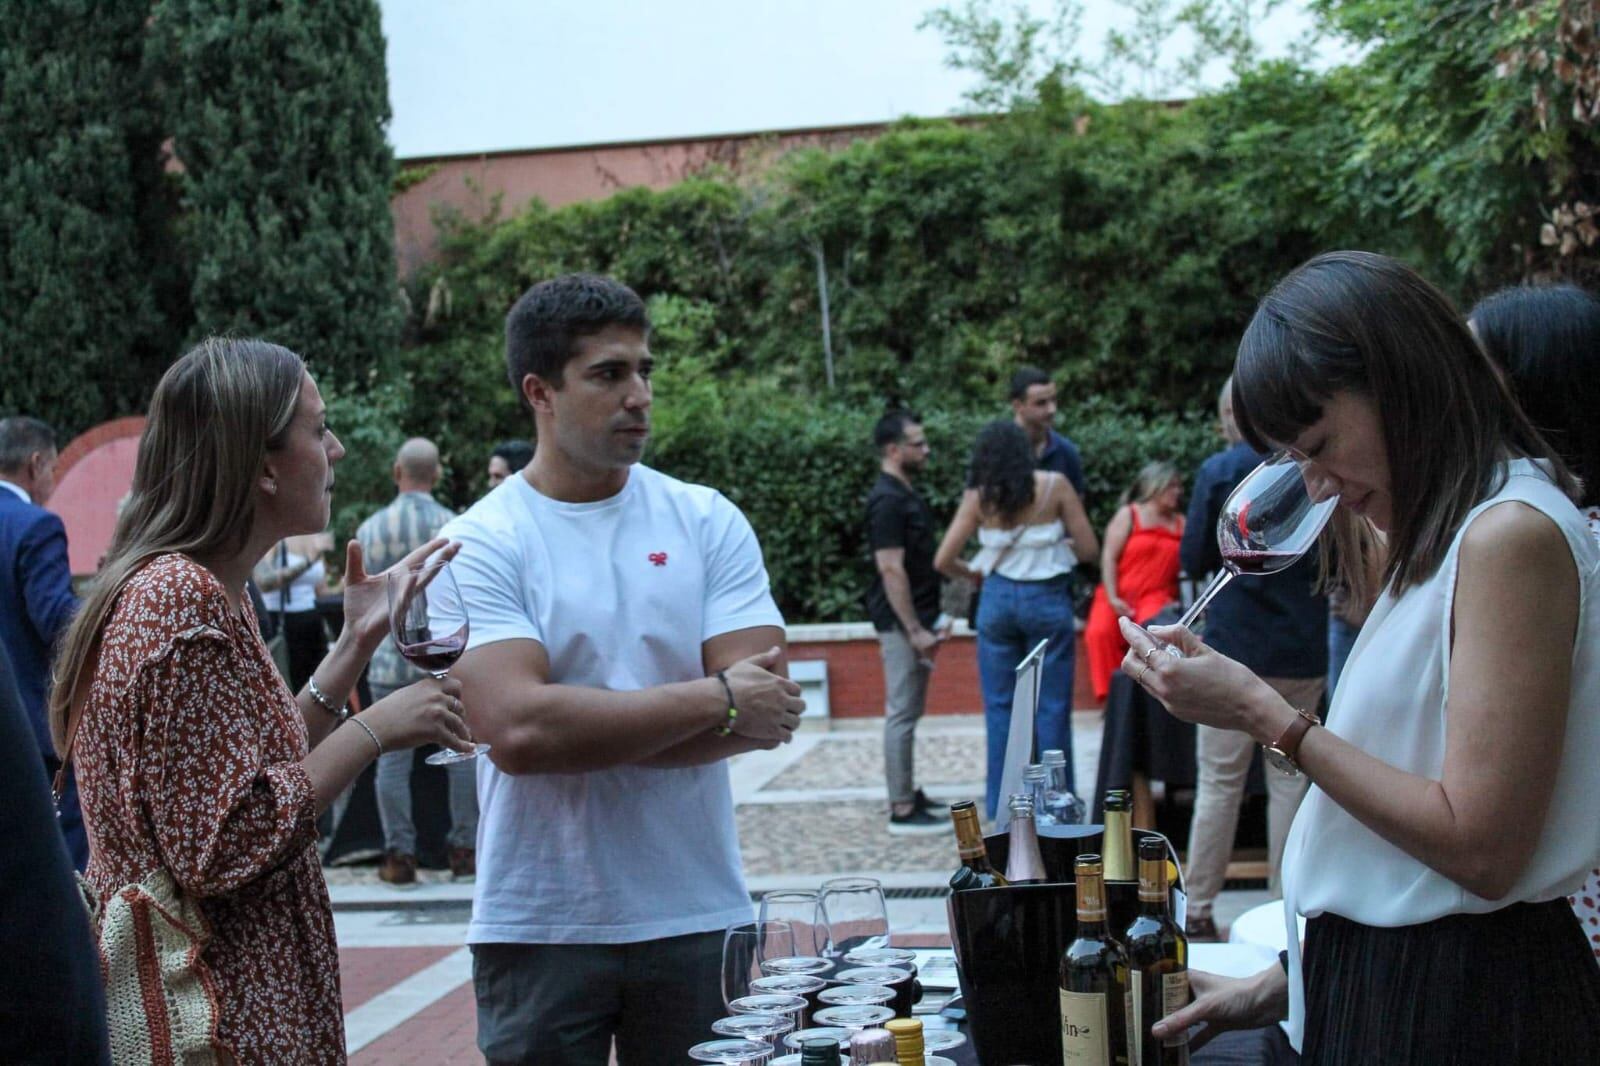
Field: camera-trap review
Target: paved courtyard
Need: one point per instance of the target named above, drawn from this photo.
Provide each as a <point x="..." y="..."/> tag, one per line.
<point x="812" y="810"/>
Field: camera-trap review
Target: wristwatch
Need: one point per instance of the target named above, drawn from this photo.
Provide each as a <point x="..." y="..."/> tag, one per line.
<point x="1282" y="753"/>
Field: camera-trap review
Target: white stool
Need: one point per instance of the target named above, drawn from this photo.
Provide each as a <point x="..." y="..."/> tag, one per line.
<point x="1263" y="926"/>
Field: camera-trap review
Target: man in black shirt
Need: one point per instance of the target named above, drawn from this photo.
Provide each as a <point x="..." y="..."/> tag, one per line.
<point x="1277" y="625"/>
<point x="903" y="602"/>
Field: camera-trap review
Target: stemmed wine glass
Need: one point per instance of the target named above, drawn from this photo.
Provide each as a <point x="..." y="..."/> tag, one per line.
<point x="854" y="911"/>
<point x="1267" y="523"/>
<point x="409" y="624"/>
<point x="802" y="909"/>
<point x="745" y="946"/>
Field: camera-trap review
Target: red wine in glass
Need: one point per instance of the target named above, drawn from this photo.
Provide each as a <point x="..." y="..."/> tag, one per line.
<point x="1268" y="522"/>
<point x="411" y="625"/>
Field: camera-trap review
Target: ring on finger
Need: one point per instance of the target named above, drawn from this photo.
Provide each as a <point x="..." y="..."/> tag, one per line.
<point x="1149" y="652"/>
<point x="1139" y="677"/>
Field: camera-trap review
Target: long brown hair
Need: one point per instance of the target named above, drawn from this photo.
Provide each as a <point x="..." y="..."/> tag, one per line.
<point x="214" y="416"/>
<point x="1368" y="324"/>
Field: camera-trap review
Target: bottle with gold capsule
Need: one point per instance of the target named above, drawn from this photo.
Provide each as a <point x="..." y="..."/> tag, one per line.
<point x="976" y="870"/>
<point x="1158" y="963"/>
<point x="1094" y="980"/>
<point x="1117" y="845"/>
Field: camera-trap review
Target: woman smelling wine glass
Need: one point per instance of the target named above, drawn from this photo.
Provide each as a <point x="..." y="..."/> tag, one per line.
<point x="1453" y="790"/>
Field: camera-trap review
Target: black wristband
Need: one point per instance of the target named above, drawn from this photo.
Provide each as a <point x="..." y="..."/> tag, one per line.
<point x="733" y="712"/>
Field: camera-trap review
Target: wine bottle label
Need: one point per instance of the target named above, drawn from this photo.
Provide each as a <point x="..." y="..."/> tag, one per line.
<point x="1135" y="1018"/>
<point x="1174" y="997"/>
<point x="1130" y="1014"/>
<point x="1084" y="1040"/>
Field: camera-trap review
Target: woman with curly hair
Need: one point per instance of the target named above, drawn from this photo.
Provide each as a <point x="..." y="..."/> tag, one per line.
<point x="1030" y="526"/>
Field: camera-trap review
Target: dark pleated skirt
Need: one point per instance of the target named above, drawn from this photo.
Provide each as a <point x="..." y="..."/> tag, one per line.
<point x="1517" y="987"/>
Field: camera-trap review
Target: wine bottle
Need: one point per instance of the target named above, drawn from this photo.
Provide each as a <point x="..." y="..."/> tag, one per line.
<point x="1036" y="785"/>
<point x="823" y="1051"/>
<point x="1158" y="962"/>
<point x="1024" y="863"/>
<point x="1118" y="844"/>
<point x="1094" y="980"/>
<point x="976" y="871"/>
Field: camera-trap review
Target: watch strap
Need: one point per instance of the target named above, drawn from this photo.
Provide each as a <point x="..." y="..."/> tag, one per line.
<point x="1288" y="744"/>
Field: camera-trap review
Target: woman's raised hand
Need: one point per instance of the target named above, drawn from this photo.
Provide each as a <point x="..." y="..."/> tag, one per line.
<point x="1202" y="685"/>
<point x="366" y="604"/>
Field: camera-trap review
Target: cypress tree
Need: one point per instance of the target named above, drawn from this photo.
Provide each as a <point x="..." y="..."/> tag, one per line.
<point x="278" y="122"/>
<point x="81" y="333"/>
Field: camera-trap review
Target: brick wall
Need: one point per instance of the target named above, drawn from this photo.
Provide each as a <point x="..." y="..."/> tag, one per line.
<point x="855" y="676"/>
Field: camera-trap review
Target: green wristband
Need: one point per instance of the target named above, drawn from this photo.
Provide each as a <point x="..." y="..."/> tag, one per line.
<point x="726" y="728"/>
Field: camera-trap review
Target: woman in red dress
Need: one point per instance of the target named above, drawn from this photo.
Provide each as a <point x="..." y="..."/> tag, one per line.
<point x="196" y="765"/>
<point x="1138" y="566"/>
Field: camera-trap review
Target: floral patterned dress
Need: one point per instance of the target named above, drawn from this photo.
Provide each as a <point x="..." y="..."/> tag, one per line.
<point x="188" y="758"/>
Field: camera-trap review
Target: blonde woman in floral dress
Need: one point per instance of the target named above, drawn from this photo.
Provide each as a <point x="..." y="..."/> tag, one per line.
<point x="194" y="760"/>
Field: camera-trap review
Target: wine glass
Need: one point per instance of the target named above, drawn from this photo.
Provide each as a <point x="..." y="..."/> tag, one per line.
<point x="855" y="913"/>
<point x="1267" y="523"/>
<point x="745" y="946"/>
<point x="763" y="1027"/>
<point x="854" y="1017"/>
<point x="732" y="1052"/>
<point x="410" y="625"/>
<point x="802" y="909"/>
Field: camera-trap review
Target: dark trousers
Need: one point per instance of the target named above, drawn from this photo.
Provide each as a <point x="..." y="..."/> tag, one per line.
<point x="308" y="645"/>
<point x="561" y="1004"/>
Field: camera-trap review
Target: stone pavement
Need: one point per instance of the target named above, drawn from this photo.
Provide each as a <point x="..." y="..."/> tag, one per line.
<point x="812" y="810"/>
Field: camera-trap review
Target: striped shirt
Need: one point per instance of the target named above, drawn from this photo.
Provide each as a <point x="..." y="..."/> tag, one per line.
<point x="413" y="519"/>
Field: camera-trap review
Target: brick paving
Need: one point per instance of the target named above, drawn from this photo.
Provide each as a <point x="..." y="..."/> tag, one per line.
<point x="855" y="760"/>
<point x="446" y="1032"/>
<point x="365" y="972"/>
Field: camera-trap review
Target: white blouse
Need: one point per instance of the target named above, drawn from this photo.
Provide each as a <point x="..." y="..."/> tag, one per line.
<point x="1025" y="553"/>
<point x="1392" y="702"/>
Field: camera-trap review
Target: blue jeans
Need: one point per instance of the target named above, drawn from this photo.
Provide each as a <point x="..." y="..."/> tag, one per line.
<point x="1013" y="616"/>
<point x="1341" y="638"/>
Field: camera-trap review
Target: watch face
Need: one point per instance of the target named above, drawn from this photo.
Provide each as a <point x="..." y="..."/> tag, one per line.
<point x="1280" y="762"/>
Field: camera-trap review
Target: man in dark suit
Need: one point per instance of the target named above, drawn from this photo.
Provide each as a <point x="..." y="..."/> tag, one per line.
<point x="36" y="600"/>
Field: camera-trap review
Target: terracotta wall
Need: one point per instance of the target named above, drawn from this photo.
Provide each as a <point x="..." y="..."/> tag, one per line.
<point x="469" y="183"/>
<point x="855" y="677"/>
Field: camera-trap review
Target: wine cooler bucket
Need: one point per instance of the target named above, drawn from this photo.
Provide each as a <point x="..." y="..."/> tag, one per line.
<point x="1008" y="944"/>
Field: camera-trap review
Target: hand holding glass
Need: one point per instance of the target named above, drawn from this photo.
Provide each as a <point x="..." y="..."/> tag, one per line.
<point x="409" y="624"/>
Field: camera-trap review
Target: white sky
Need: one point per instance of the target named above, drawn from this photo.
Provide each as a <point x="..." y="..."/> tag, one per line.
<point x="480" y="75"/>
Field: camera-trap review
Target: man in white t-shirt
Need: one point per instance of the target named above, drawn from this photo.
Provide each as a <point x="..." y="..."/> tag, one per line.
<point x="624" y="642"/>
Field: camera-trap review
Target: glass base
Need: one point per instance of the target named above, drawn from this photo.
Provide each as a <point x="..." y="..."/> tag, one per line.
<point x="446" y="756"/>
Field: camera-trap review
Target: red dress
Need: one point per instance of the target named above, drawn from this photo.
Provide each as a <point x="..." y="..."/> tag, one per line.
<point x="188" y="758"/>
<point x="1147" y="580"/>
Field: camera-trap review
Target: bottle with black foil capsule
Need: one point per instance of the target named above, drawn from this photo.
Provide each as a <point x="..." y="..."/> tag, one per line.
<point x="1024" y="863"/>
<point x="1158" y="963"/>
<point x="1118" y="843"/>
<point x="976" y="871"/>
<point x="1094" y="980"/>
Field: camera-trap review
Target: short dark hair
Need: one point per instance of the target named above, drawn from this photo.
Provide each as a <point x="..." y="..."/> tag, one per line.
<point x="543" y="324"/>
<point x="516" y="453"/>
<point x="1370" y="325"/>
<point x="20" y="437"/>
<point x="1026" y="378"/>
<point x="1548" y="339"/>
<point x="892" y="427"/>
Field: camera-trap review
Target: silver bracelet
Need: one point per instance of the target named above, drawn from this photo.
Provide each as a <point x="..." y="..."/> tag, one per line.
<point x="375" y="741"/>
<point x="339" y="713"/>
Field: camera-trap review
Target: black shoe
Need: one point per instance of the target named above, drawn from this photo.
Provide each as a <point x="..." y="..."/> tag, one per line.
<point x="921" y="802"/>
<point x="917" y="823"/>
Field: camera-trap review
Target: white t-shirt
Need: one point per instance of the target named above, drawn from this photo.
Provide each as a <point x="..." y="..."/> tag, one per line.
<point x="1393" y="702"/>
<point x="622" y="593"/>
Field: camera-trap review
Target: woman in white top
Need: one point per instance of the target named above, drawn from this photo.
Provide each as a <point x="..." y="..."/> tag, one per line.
<point x="1454" y="788"/>
<point x="1029" y="524"/>
<point x="291" y="577"/>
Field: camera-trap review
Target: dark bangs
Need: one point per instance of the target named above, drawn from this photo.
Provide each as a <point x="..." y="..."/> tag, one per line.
<point x="1283" y="376"/>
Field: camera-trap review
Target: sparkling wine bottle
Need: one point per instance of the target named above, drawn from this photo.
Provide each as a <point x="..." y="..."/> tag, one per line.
<point x="1158" y="958"/>
<point x="1094" y="980"/>
<point x="1118" y="843"/>
<point x="1024" y="864"/>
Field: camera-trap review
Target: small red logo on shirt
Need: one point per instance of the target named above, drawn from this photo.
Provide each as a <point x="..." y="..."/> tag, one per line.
<point x="658" y="558"/>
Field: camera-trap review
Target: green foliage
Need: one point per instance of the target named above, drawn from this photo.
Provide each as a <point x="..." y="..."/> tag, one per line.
<point x="286" y="174"/>
<point x="81" y="235"/>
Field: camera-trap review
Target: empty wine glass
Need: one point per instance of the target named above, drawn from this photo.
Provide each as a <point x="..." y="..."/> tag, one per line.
<point x="782" y="1004"/>
<point x="744" y="947"/>
<point x="800" y="1037"/>
<point x="854" y="910"/>
<point x="732" y="1052"/>
<point x="802" y="909"/>
<point x="1267" y="523"/>
<point x="810" y="965"/>
<point x="764" y="1027"/>
<point x="855" y="1017"/>
<point x="851" y="995"/>
<point x="941" y="1040"/>
<point x="410" y="625"/>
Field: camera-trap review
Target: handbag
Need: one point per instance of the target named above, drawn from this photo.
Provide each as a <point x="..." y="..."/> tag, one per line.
<point x="162" y="1008"/>
<point x="278" y="646"/>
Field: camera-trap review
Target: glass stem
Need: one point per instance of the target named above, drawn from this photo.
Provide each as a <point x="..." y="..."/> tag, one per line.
<point x="1218" y="581"/>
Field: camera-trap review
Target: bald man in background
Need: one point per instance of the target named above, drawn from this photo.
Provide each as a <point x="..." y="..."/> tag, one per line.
<point x="410" y="521"/>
